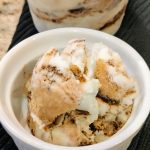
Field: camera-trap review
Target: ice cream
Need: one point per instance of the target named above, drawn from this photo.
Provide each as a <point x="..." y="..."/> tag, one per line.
<point x="105" y="15"/>
<point x="79" y="96"/>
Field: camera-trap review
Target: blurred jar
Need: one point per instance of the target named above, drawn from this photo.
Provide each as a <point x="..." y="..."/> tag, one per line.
<point x="105" y="15"/>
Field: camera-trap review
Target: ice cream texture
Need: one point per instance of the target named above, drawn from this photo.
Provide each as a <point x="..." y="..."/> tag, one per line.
<point x="79" y="96"/>
<point x="104" y="15"/>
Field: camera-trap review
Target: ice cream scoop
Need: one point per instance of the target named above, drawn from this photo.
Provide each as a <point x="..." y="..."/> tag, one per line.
<point x="59" y="80"/>
<point x="79" y="96"/>
<point x="116" y="83"/>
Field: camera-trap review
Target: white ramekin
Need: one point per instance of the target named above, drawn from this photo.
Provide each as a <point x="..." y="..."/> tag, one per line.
<point x="36" y="45"/>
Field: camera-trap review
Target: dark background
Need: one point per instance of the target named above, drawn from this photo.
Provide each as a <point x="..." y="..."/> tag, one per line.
<point x="135" y="30"/>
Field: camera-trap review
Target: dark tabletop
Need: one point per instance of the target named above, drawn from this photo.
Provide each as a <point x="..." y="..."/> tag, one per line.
<point x="135" y="30"/>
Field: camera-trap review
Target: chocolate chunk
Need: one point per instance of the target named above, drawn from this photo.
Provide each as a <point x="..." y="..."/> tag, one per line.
<point x="116" y="125"/>
<point x="92" y="127"/>
<point x="82" y="112"/>
<point x="77" y="10"/>
<point x="107" y="99"/>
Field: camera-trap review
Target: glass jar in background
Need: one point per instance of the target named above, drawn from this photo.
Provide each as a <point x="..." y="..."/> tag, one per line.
<point x="104" y="15"/>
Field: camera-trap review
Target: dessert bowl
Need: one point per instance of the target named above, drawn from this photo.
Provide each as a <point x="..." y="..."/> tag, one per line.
<point x="17" y="66"/>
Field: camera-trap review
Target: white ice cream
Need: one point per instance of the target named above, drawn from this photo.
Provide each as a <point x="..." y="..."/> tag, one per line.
<point x="88" y="102"/>
<point x="77" y="54"/>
